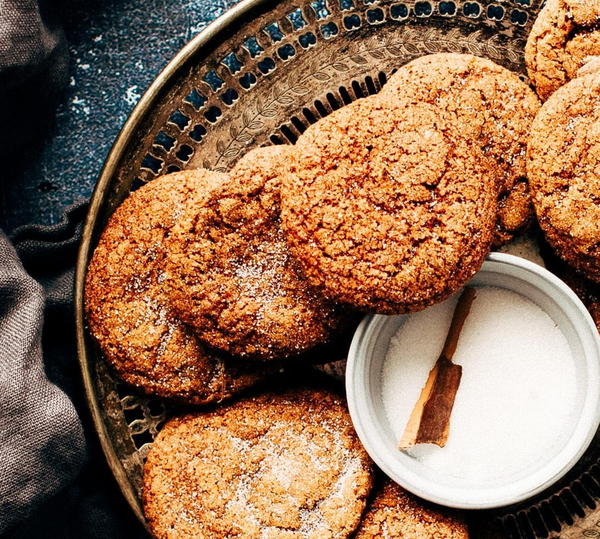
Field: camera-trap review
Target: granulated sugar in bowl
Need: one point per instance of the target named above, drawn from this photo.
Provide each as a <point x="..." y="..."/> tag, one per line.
<point x="528" y="403"/>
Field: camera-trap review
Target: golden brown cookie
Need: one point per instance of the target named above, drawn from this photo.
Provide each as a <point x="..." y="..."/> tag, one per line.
<point x="564" y="172"/>
<point x="396" y="513"/>
<point x="565" y="34"/>
<point x="231" y="276"/>
<point x="589" y="67"/>
<point x="280" y="466"/>
<point x="126" y="307"/>
<point x="490" y="104"/>
<point x="388" y="208"/>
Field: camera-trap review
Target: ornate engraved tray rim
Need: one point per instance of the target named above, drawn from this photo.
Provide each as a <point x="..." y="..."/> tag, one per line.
<point x="111" y="185"/>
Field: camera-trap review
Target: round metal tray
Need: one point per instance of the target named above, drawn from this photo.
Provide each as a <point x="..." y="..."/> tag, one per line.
<point x="259" y="75"/>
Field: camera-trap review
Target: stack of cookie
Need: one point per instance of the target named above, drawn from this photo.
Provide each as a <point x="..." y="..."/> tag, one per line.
<point x="563" y="158"/>
<point x="204" y="284"/>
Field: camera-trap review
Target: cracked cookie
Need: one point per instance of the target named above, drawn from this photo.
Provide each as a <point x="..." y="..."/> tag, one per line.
<point x="387" y="207"/>
<point x="126" y="308"/>
<point x="280" y="465"/>
<point x="563" y="36"/>
<point x="564" y="174"/>
<point x="393" y="512"/>
<point x="231" y="276"/>
<point x="490" y="104"/>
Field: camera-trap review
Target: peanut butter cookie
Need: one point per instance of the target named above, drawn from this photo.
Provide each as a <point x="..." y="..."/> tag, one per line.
<point x="565" y="34"/>
<point x="387" y="207"/>
<point x="280" y="466"/>
<point x="490" y="104"/>
<point x="126" y="306"/>
<point x="396" y="513"/>
<point x="231" y="276"/>
<point x="564" y="172"/>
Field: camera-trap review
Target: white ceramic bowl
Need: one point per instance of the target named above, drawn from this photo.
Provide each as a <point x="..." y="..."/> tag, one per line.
<point x="364" y="381"/>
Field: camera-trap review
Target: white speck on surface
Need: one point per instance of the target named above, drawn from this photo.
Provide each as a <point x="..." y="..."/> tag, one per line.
<point x="72" y="81"/>
<point x="515" y="406"/>
<point x="80" y="105"/>
<point x="132" y="95"/>
<point x="196" y="28"/>
<point x="84" y="66"/>
<point x="140" y="65"/>
<point x="97" y="38"/>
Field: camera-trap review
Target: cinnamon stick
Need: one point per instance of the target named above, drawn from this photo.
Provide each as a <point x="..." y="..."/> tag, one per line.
<point x="429" y="421"/>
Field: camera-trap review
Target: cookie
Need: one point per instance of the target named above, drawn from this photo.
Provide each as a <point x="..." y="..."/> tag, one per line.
<point x="283" y="466"/>
<point x="490" y="104"/>
<point x="387" y="207"/>
<point x="126" y="308"/>
<point x="396" y="513"/>
<point x="564" y="174"/>
<point x="565" y="34"/>
<point x="231" y="276"/>
<point x="589" y="67"/>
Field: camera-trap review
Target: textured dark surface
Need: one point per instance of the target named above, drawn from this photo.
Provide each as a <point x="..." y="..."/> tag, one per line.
<point x="117" y="48"/>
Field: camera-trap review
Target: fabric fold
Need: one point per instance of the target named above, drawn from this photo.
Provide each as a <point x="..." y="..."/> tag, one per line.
<point x="42" y="446"/>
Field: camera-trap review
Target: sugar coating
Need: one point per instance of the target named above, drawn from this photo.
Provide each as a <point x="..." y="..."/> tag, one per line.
<point x="489" y="104"/>
<point x="514" y="358"/>
<point x="127" y="309"/>
<point x="394" y="513"/>
<point x="386" y="206"/>
<point x="565" y="34"/>
<point x="564" y="172"/>
<point x="285" y="465"/>
<point x="230" y="275"/>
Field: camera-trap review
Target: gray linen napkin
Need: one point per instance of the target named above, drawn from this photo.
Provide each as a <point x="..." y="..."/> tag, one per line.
<point x="41" y="439"/>
<point x="42" y="446"/>
<point x="89" y="505"/>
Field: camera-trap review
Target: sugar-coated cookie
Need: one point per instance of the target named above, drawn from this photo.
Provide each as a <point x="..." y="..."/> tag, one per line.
<point x="127" y="309"/>
<point x="231" y="276"/>
<point x="564" y="36"/>
<point x="489" y="104"/>
<point x="387" y="206"/>
<point x="393" y="512"/>
<point x="278" y="466"/>
<point x="564" y="172"/>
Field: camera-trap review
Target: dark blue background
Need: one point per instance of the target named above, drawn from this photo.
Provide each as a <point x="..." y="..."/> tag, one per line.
<point x="117" y="47"/>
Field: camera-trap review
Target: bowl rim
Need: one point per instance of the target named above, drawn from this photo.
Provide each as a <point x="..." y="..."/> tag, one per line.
<point x="585" y="427"/>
